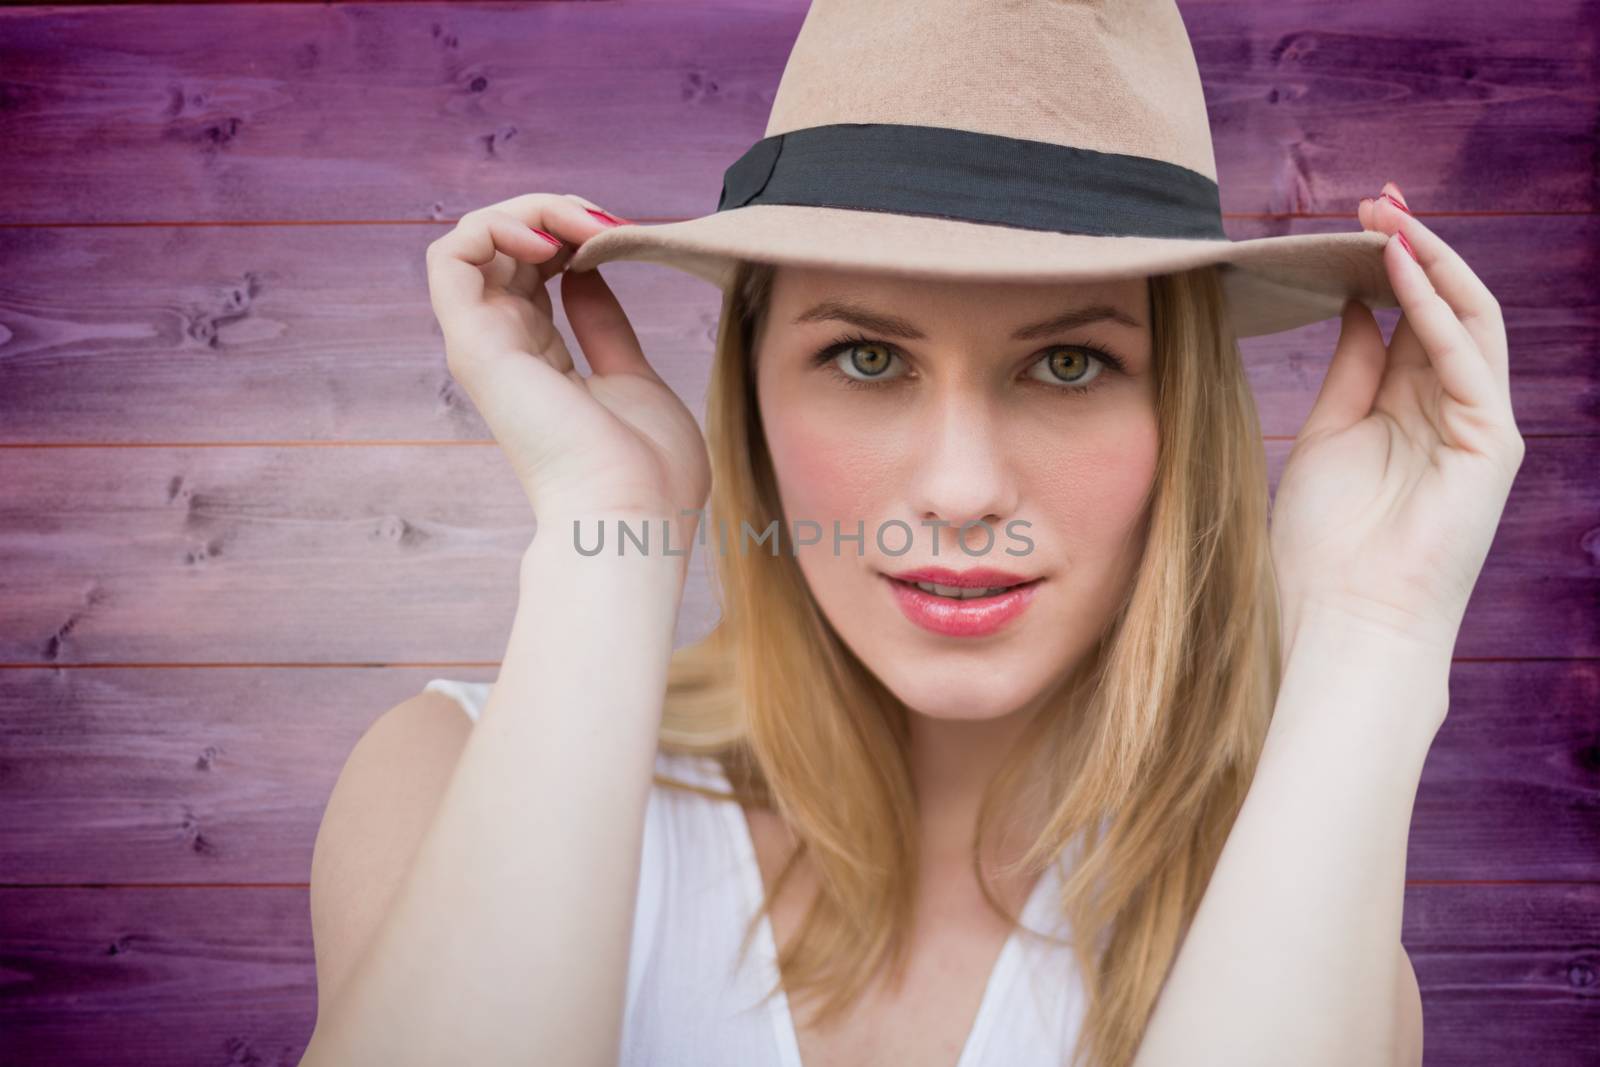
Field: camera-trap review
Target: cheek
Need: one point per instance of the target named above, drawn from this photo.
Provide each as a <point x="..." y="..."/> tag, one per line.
<point x="822" y="468"/>
<point x="1099" y="497"/>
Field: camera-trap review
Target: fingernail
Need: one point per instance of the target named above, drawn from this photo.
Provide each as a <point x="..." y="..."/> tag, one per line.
<point x="552" y="238"/>
<point x="606" y="217"/>
<point x="1396" y="203"/>
<point x="1399" y="197"/>
<point x="1405" y="244"/>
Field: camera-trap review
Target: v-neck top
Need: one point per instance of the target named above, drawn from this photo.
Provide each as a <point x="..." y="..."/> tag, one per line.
<point x="691" y="998"/>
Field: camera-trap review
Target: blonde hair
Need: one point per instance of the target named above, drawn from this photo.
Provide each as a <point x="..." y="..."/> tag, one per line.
<point x="1153" y="738"/>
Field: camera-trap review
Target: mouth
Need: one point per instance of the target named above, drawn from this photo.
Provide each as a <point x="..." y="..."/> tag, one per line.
<point x="964" y="592"/>
<point x="962" y="610"/>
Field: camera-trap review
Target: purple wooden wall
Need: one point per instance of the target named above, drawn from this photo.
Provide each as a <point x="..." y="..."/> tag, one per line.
<point x="243" y="509"/>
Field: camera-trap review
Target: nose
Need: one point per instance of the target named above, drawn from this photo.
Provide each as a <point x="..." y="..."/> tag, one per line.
<point x="962" y="474"/>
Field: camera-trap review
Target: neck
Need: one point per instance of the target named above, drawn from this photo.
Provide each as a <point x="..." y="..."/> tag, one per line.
<point x="952" y="762"/>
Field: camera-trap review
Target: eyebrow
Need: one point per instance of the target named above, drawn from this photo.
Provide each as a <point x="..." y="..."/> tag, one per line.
<point x="881" y="322"/>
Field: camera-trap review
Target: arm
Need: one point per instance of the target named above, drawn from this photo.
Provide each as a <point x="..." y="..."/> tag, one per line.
<point x="507" y="940"/>
<point x="1408" y="1016"/>
<point x="1294" y="955"/>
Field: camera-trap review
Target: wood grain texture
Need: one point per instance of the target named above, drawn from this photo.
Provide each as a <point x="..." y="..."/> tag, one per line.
<point x="177" y="776"/>
<point x="244" y="508"/>
<point x="424" y="111"/>
<point x="325" y="333"/>
<point x="268" y="555"/>
<point x="408" y="553"/>
<point x="226" y="976"/>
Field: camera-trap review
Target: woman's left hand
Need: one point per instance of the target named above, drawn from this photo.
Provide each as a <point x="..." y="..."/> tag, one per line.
<point x="1394" y="487"/>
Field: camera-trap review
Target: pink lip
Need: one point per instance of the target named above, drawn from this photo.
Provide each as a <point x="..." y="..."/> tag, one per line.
<point x="973" y="578"/>
<point x="961" y="618"/>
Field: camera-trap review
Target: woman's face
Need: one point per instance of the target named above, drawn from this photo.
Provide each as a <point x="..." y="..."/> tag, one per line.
<point x="902" y="409"/>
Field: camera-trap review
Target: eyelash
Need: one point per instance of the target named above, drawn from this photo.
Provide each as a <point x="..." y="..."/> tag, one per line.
<point x="827" y="358"/>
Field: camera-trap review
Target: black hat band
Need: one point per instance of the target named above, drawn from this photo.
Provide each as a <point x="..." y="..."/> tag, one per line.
<point x="976" y="177"/>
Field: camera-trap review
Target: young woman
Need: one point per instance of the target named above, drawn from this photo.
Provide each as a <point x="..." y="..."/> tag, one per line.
<point x="1142" y="799"/>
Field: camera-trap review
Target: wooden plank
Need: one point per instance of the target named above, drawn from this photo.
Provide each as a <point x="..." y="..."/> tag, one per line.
<point x="1538" y="587"/>
<point x="258" y="584"/>
<point x="1507" y="972"/>
<point x="171" y="775"/>
<point x="269" y="334"/>
<point x="172" y="976"/>
<point x="139" y="976"/>
<point x="174" y="775"/>
<point x="423" y="111"/>
<point x="1539" y="270"/>
<point x="351" y="555"/>
<point x="1314" y="105"/>
<point x="1508" y="788"/>
<point x="409" y="554"/>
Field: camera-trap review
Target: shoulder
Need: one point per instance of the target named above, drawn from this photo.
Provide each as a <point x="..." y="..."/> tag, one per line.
<point x="469" y="697"/>
<point x="406" y="748"/>
<point x="1408" y="1014"/>
<point x="401" y="762"/>
<point x="382" y="801"/>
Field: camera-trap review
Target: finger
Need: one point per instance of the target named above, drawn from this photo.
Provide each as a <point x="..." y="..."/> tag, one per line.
<point x="464" y="288"/>
<point x="531" y="279"/>
<point x="1351" y="384"/>
<point x="454" y="283"/>
<point x="461" y="262"/>
<point x="560" y="214"/>
<point x="1405" y="347"/>
<point x="1460" y="287"/>
<point x="601" y="327"/>
<point x="1364" y="213"/>
<point x="1451" y="350"/>
<point x="581" y="200"/>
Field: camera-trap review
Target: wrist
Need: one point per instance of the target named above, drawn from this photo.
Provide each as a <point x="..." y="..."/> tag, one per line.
<point x="592" y="543"/>
<point x="1398" y="684"/>
<point x="1385" y="626"/>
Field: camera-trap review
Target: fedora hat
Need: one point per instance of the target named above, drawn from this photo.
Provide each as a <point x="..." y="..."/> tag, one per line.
<point x="993" y="140"/>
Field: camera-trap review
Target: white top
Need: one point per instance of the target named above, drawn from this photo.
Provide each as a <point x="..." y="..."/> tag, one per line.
<point x="690" y="1001"/>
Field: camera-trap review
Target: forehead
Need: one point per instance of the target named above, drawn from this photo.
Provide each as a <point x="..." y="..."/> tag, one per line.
<point x="797" y="288"/>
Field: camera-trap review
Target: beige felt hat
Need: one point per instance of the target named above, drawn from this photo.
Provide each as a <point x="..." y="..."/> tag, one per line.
<point x="1035" y="140"/>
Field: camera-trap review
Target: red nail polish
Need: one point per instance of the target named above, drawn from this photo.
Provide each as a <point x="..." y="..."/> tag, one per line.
<point x="547" y="236"/>
<point x="1405" y="244"/>
<point x="1398" y="195"/>
<point x="606" y="217"/>
<point x="1395" y="202"/>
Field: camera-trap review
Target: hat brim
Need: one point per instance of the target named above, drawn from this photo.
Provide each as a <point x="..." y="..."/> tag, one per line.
<point x="1273" y="283"/>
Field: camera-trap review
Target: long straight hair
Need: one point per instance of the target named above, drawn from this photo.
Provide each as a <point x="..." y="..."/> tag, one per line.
<point x="1139" y="760"/>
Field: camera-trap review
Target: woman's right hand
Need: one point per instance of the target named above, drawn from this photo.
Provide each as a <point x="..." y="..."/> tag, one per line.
<point x="617" y="441"/>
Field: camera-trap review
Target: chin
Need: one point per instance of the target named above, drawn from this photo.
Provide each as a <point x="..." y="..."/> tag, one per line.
<point x="956" y="693"/>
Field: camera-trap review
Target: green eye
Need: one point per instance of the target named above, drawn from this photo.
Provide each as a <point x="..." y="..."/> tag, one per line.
<point x="1073" y="370"/>
<point x="1072" y="365"/>
<point x="858" y="361"/>
<point x="874" y="363"/>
